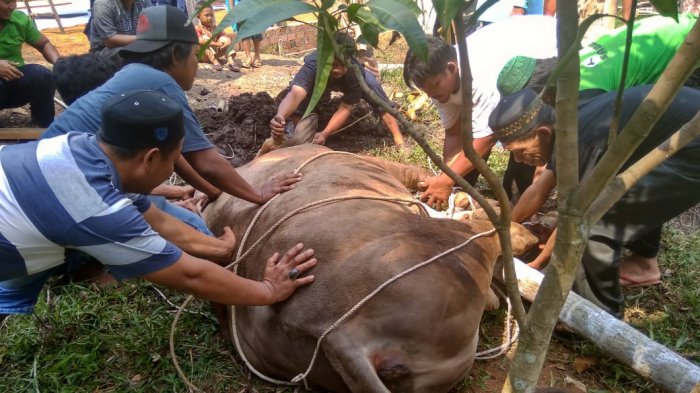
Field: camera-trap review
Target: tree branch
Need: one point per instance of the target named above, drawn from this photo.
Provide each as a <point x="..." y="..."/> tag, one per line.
<point x="502" y="221"/>
<point x="534" y="339"/>
<point x="639" y="126"/>
<point x="625" y="180"/>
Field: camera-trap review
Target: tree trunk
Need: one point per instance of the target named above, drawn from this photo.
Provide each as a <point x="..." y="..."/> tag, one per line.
<point x="667" y="369"/>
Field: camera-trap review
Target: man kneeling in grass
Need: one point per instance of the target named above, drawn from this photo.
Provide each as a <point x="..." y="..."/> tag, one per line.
<point x="84" y="192"/>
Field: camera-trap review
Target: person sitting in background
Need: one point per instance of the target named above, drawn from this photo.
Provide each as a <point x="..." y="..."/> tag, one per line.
<point x="114" y="24"/>
<point x="82" y="192"/>
<point x="218" y="44"/>
<point x="21" y="83"/>
<point x="341" y="79"/>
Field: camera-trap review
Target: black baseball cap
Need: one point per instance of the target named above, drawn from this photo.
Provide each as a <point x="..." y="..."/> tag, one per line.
<point x="160" y="25"/>
<point x="141" y="119"/>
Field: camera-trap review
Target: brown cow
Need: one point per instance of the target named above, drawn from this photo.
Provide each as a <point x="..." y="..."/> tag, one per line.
<point x="419" y="334"/>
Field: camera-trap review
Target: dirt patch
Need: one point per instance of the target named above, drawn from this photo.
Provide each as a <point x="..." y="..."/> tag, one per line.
<point x="240" y="126"/>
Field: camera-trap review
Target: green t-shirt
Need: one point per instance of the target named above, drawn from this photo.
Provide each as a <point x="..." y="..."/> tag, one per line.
<point x="655" y="41"/>
<point x="16" y="31"/>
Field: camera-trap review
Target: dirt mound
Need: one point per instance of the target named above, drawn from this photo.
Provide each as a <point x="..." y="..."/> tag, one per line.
<point x="240" y="128"/>
<point x="239" y="131"/>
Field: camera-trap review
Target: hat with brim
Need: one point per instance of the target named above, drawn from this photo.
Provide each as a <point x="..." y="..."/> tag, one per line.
<point x="515" y="75"/>
<point x="159" y="26"/>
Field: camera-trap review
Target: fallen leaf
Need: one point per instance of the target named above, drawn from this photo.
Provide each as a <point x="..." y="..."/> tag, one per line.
<point x="583" y="364"/>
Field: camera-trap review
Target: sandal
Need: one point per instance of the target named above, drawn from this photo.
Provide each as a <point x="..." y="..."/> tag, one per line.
<point x="233" y="67"/>
<point x="256" y="63"/>
<point x="217" y="67"/>
<point x="246" y="64"/>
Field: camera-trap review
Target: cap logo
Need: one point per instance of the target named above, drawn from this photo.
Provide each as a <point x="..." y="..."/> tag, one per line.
<point x="161" y="133"/>
<point x="143" y="24"/>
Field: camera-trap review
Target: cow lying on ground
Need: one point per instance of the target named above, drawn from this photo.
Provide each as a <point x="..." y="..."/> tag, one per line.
<point x="419" y="334"/>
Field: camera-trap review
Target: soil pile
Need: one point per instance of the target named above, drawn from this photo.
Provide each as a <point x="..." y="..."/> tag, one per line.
<point x="240" y="128"/>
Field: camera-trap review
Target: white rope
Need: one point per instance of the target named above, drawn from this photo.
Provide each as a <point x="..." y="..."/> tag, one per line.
<point x="302" y="376"/>
<point x="503" y="348"/>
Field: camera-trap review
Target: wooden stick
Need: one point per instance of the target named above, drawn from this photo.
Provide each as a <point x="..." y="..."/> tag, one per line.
<point x="7" y="134"/>
<point x="667" y="369"/>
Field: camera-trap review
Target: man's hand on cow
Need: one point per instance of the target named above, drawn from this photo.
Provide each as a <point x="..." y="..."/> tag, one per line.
<point x="320" y="138"/>
<point x="277" y="125"/>
<point x="230" y="238"/>
<point x="436" y="191"/>
<point x="278" y="185"/>
<point x="9" y="70"/>
<point x="283" y="275"/>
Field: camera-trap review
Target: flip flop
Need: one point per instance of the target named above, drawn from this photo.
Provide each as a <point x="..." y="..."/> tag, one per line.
<point x="233" y="67"/>
<point x="626" y="282"/>
<point x="217" y="67"/>
<point x="256" y="63"/>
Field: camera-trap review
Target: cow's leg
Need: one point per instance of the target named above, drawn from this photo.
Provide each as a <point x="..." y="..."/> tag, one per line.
<point x="355" y="368"/>
<point x="408" y="175"/>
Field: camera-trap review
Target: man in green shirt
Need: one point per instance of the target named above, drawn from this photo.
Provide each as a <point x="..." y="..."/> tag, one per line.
<point x="21" y="83"/>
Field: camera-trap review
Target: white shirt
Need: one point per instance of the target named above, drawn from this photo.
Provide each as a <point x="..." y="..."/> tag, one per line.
<point x="490" y="48"/>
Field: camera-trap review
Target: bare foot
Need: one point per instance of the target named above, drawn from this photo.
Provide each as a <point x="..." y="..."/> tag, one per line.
<point x="638" y="271"/>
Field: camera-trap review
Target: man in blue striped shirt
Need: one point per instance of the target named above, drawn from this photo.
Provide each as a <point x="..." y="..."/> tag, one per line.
<point x="80" y="191"/>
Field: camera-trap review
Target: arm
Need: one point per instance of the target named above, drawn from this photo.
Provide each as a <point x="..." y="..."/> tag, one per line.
<point x="216" y="170"/>
<point x="542" y="259"/>
<point x="190" y="175"/>
<point x="9" y="71"/>
<point x="47" y="49"/>
<point x="211" y="282"/>
<point x="173" y="192"/>
<point x="289" y="104"/>
<point x="337" y="120"/>
<point x="534" y="197"/>
<point x="190" y="240"/>
<point x="439" y="187"/>
<point x="118" y="40"/>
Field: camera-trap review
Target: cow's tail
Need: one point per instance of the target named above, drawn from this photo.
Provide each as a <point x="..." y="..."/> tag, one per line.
<point x="363" y="370"/>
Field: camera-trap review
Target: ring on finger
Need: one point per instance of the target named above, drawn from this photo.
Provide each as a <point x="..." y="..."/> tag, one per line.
<point x="293" y="274"/>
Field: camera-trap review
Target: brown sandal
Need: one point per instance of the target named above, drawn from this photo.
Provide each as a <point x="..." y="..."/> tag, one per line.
<point x="233" y="67"/>
<point x="256" y="63"/>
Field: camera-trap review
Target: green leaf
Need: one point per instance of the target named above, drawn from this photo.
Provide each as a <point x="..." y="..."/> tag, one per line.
<point x="283" y="9"/>
<point x="369" y="24"/>
<point x="666" y="8"/>
<point x="324" y="62"/>
<point x="269" y="9"/>
<point x="446" y="11"/>
<point x="395" y="15"/>
<point x="409" y="4"/>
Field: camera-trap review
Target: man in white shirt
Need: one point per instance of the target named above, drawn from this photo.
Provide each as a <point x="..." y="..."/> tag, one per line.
<point x="489" y="50"/>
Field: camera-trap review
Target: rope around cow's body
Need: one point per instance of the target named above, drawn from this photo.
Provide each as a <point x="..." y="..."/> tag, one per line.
<point x="241" y="255"/>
